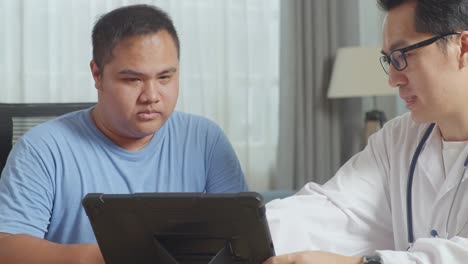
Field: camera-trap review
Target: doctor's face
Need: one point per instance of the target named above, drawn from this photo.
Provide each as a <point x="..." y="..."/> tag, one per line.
<point x="138" y="87"/>
<point x="430" y="84"/>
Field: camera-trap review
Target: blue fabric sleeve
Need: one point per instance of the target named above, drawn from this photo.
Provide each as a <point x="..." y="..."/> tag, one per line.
<point x="26" y="173"/>
<point x="224" y="173"/>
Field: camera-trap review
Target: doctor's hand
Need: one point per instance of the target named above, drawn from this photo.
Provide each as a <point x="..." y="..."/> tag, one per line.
<point x="313" y="257"/>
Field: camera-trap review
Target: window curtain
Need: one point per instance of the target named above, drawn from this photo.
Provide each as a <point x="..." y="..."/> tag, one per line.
<point x="316" y="134"/>
<point x="229" y="64"/>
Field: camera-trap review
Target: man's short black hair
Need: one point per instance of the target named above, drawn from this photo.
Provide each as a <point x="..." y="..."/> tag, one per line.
<point x="435" y="16"/>
<point x="127" y="21"/>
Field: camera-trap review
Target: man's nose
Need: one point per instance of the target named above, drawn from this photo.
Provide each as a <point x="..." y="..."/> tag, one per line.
<point x="150" y="93"/>
<point x="396" y="78"/>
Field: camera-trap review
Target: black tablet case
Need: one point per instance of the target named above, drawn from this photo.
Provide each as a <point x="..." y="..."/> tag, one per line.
<point x="180" y="228"/>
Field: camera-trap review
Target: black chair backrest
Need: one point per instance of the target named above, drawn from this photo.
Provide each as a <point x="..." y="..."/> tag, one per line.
<point x="16" y="119"/>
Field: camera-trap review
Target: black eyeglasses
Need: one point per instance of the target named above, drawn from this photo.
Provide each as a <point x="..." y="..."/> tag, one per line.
<point x="397" y="57"/>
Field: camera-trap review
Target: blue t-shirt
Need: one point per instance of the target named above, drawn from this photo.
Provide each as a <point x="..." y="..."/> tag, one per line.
<point x="53" y="166"/>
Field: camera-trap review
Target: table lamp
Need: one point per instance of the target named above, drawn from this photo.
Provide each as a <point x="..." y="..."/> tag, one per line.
<point x="358" y="73"/>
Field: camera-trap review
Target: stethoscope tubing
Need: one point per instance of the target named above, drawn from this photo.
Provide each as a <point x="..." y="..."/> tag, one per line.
<point x="409" y="192"/>
<point x="409" y="187"/>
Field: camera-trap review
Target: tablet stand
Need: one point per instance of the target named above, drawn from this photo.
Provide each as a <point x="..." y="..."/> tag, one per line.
<point x="222" y="257"/>
<point x="164" y="255"/>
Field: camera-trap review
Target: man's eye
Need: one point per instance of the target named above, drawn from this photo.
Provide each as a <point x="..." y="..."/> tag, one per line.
<point x="406" y="55"/>
<point x="132" y="79"/>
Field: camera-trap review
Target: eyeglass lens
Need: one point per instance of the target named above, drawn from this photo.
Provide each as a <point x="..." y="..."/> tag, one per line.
<point x="396" y="58"/>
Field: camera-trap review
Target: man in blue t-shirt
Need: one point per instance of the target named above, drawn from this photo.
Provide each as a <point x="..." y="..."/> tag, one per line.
<point x="131" y="141"/>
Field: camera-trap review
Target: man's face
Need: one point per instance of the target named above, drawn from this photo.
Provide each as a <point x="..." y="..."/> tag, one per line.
<point x="138" y="89"/>
<point x="431" y="83"/>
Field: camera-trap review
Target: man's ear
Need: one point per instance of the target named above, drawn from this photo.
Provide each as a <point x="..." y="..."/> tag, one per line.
<point x="97" y="74"/>
<point x="464" y="49"/>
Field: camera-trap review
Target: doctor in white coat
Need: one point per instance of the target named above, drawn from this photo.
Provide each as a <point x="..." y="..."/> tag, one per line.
<point x="404" y="198"/>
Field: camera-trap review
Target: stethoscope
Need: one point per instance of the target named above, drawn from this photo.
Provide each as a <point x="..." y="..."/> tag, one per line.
<point x="409" y="209"/>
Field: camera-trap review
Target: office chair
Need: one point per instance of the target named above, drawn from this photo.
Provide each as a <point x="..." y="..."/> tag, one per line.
<point x="16" y="119"/>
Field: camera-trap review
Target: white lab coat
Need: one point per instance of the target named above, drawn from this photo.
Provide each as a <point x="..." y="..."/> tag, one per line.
<point x="363" y="208"/>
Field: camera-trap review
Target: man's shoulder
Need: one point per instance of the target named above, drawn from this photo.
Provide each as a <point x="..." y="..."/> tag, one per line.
<point x="58" y="136"/>
<point x="404" y="127"/>
<point x="60" y="126"/>
<point x="405" y="121"/>
<point x="187" y="121"/>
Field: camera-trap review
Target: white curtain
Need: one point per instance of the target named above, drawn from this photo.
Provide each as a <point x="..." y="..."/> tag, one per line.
<point x="229" y="64"/>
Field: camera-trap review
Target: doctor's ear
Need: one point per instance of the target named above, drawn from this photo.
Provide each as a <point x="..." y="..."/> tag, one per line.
<point x="464" y="49"/>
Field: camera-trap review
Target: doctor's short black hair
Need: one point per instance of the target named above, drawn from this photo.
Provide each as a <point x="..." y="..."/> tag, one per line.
<point x="128" y="21"/>
<point x="435" y="16"/>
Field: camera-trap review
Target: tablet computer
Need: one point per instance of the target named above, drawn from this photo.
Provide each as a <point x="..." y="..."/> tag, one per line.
<point x="180" y="227"/>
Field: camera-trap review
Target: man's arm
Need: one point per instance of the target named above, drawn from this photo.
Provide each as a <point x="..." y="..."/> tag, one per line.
<point x="224" y="173"/>
<point x="313" y="257"/>
<point x="424" y="251"/>
<point x="349" y="215"/>
<point x="430" y="251"/>
<point x="19" y="249"/>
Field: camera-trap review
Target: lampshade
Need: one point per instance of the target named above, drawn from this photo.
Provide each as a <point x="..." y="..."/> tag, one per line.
<point x="358" y="73"/>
